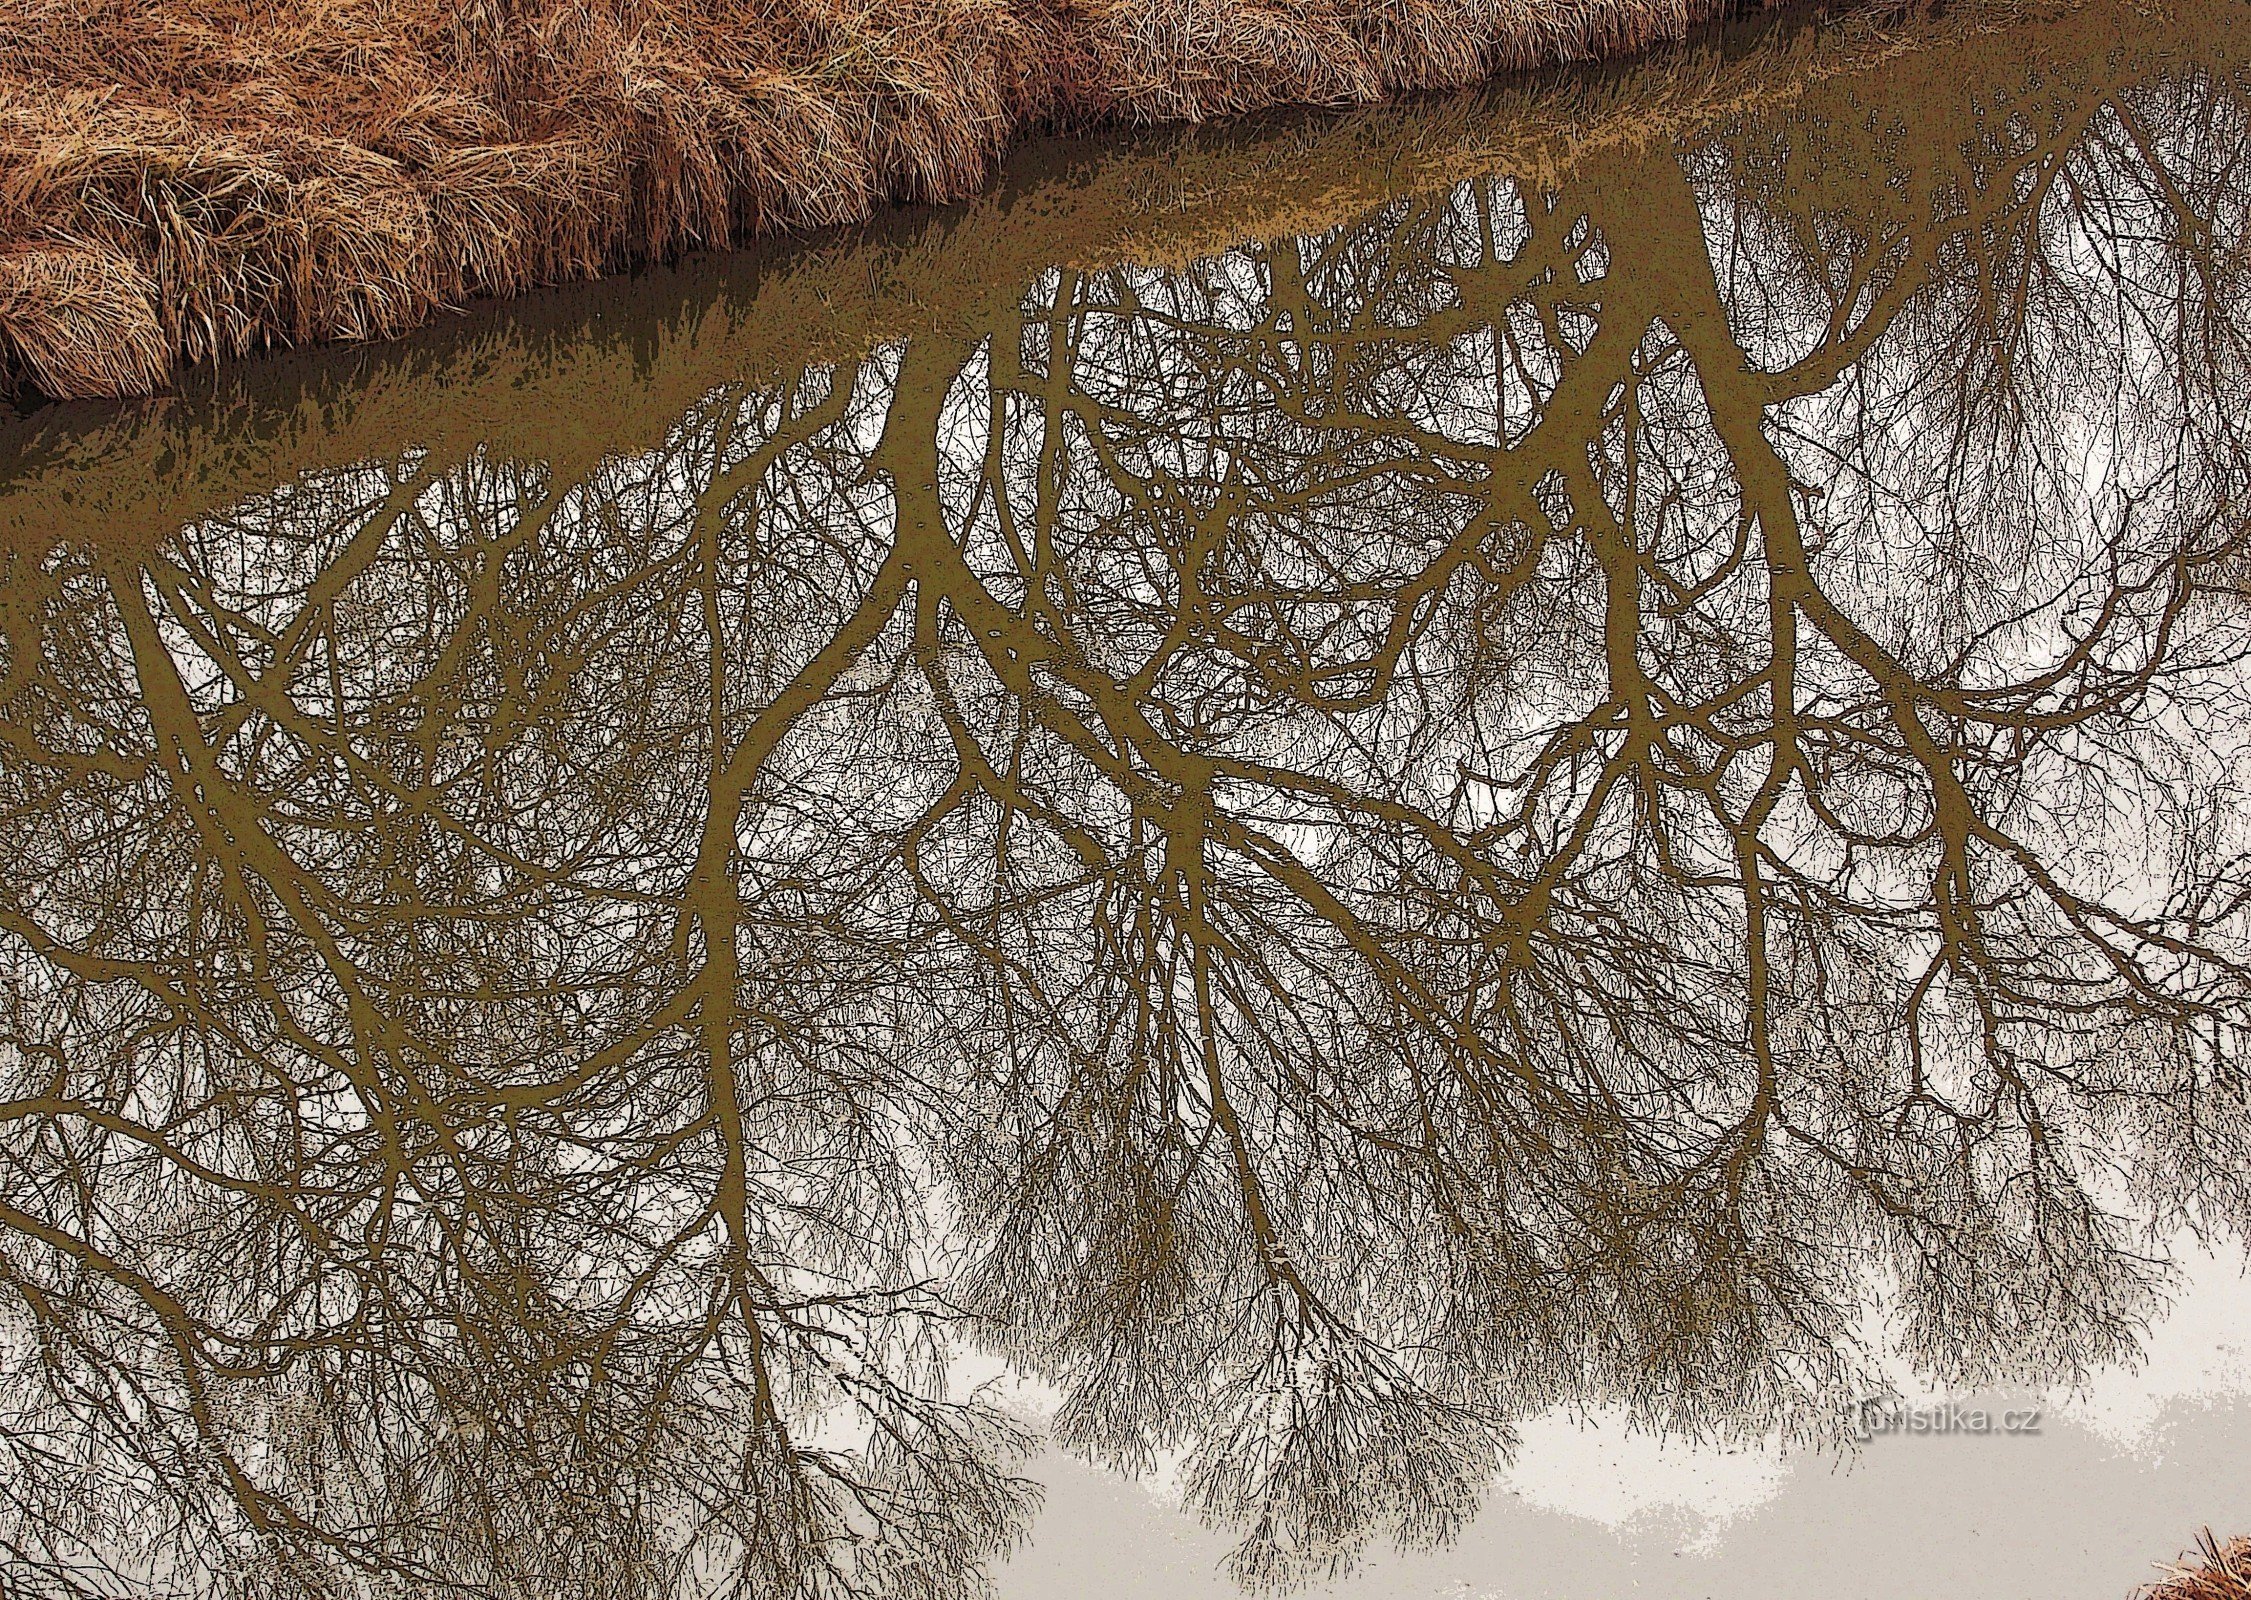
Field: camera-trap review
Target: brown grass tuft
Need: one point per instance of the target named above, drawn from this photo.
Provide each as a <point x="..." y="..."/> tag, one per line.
<point x="2215" y="1572"/>
<point x="82" y="320"/>
<point x="189" y="179"/>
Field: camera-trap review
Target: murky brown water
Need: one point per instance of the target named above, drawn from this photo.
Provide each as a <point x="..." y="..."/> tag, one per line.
<point x="1606" y="777"/>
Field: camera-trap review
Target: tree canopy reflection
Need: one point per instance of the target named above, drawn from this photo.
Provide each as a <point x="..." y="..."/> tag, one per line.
<point x="1540" y="799"/>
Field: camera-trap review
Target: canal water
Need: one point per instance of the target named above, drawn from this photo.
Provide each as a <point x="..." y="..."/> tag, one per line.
<point x="1496" y="847"/>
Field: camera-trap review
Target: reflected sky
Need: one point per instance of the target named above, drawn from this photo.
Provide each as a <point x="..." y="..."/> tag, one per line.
<point x="1611" y="786"/>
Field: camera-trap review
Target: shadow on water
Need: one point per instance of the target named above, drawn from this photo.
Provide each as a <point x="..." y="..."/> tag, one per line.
<point x="1620" y="744"/>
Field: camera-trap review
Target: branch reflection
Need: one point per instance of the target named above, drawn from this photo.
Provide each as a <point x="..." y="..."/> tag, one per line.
<point x="1540" y="799"/>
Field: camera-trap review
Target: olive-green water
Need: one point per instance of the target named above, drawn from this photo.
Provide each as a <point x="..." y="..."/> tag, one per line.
<point x="1454" y="848"/>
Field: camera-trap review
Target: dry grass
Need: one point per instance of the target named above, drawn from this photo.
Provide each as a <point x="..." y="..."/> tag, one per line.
<point x="183" y="179"/>
<point x="2214" y="1572"/>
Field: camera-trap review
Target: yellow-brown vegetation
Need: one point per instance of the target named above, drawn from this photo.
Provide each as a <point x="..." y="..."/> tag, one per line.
<point x="180" y="181"/>
<point x="2215" y="1572"/>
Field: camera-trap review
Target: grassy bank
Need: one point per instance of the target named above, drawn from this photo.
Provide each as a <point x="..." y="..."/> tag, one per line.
<point x="566" y="377"/>
<point x="183" y="179"/>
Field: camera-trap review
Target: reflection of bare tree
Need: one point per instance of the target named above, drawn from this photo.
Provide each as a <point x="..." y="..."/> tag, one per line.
<point x="1326" y="850"/>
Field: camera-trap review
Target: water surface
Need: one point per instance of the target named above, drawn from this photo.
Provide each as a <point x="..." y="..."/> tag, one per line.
<point x="1283" y="803"/>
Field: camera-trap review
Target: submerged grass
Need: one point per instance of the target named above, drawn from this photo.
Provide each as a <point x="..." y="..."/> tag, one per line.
<point x="184" y="179"/>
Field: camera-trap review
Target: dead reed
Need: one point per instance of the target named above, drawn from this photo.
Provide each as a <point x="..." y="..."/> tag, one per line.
<point x="2214" y="1572"/>
<point x="184" y="179"/>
